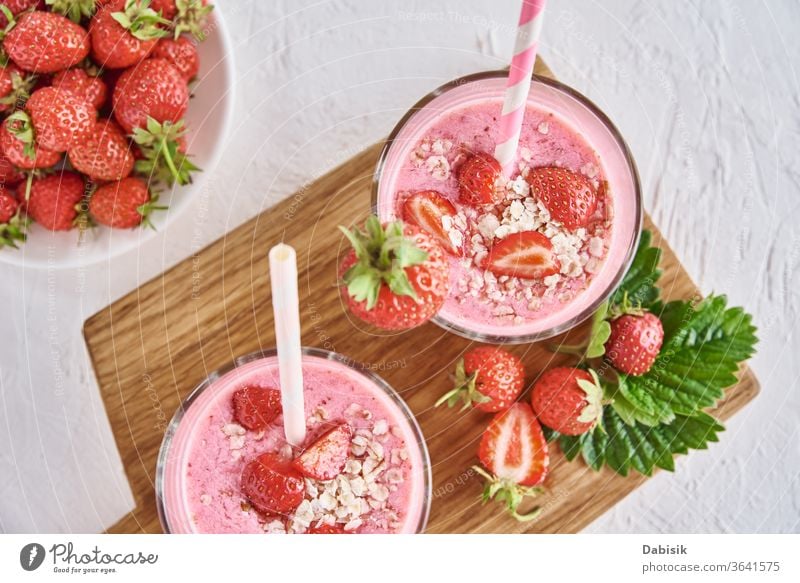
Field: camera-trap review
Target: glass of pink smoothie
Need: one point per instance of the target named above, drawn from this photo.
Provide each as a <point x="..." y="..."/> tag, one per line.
<point x="563" y="130"/>
<point x="385" y="486"/>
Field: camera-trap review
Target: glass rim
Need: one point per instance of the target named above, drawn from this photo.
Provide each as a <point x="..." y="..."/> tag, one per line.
<point x="633" y="243"/>
<point x="321" y="354"/>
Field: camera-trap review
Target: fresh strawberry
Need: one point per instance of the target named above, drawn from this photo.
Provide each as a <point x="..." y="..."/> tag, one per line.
<point x="15" y="87"/>
<point x="327" y="529"/>
<point x="124" y="32"/>
<point x="325" y="459"/>
<point x="634" y="343"/>
<point x="427" y="209"/>
<point x="43" y="42"/>
<point x="489" y="378"/>
<point x="255" y="408"/>
<point x="155" y="89"/>
<point x="18" y="143"/>
<point x="123" y="205"/>
<point x="59" y="118"/>
<point x="568" y="400"/>
<point x="12" y="224"/>
<point x="104" y="155"/>
<point x="162" y="152"/>
<point x="182" y="53"/>
<point x="514" y="451"/>
<point x="476" y="180"/>
<point x="272" y="485"/>
<point x="186" y="15"/>
<point x="395" y="277"/>
<point x="568" y="196"/>
<point x="16" y="7"/>
<point x="527" y="255"/>
<point x="9" y="175"/>
<point x="54" y="200"/>
<point x="87" y="87"/>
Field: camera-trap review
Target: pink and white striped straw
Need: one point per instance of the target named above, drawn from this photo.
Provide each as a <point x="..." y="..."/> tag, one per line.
<point x="519" y="81"/>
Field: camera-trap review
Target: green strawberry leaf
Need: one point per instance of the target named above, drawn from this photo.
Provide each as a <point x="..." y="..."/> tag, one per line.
<point x="703" y="346"/>
<point x="640" y="282"/>
<point x="599" y="333"/>
<point x="635" y="447"/>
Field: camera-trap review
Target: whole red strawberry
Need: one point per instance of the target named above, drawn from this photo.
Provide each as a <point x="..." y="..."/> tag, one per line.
<point x="153" y="89"/>
<point x="395" y="277"/>
<point x="326" y="457"/>
<point x="44" y="42"/>
<point x="54" y="200"/>
<point x="272" y="485"/>
<point x="105" y="153"/>
<point x="568" y="400"/>
<point x="489" y="378"/>
<point x="568" y="196"/>
<point x="59" y="118"/>
<point x="255" y="408"/>
<point x="635" y="342"/>
<point x="182" y="53"/>
<point x="476" y="180"/>
<point x="19" y="146"/>
<point x="15" y="7"/>
<point x="514" y="451"/>
<point x="12" y="224"/>
<point x="122" y="205"/>
<point x="87" y="87"/>
<point x="124" y="32"/>
<point x="8" y="206"/>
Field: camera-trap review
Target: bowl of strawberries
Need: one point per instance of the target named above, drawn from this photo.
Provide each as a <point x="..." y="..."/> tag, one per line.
<point x="111" y="112"/>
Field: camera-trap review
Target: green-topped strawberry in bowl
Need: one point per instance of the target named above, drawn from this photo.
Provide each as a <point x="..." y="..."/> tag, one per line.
<point x="102" y="143"/>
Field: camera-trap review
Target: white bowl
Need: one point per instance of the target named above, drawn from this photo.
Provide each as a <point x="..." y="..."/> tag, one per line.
<point x="208" y="119"/>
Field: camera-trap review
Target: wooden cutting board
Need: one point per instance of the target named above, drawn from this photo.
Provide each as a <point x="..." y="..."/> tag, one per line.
<point x="152" y="347"/>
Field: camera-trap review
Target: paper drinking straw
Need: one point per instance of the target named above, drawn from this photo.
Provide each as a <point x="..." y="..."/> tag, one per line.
<point x="286" y="307"/>
<point x="519" y="81"/>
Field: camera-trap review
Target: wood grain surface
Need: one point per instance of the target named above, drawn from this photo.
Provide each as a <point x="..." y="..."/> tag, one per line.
<point x="153" y="346"/>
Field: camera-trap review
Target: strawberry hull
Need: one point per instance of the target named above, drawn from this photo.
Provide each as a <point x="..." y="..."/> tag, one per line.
<point x="205" y="451"/>
<point x="502" y="289"/>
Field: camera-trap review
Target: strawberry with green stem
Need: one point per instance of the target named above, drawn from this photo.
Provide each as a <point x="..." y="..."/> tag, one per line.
<point x="155" y="88"/>
<point x="395" y="277"/>
<point x="19" y="146"/>
<point x="163" y="157"/>
<point x="568" y="400"/>
<point x="12" y="224"/>
<point x="43" y="42"/>
<point x="187" y="16"/>
<point x="515" y="459"/>
<point x="15" y="87"/>
<point x="124" y="32"/>
<point x="488" y="378"/>
<point x="123" y="205"/>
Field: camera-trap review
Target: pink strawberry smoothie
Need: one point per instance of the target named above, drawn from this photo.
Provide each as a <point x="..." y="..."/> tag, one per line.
<point x="384" y="487"/>
<point x="559" y="130"/>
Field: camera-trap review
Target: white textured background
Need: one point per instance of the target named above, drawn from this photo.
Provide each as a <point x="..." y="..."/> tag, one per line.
<point x="705" y="92"/>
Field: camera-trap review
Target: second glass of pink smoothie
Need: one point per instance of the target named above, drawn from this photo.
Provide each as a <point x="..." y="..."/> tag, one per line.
<point x="384" y="486"/>
<point x="561" y="130"/>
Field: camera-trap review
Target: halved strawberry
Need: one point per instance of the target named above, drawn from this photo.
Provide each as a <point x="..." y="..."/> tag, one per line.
<point x="476" y="180"/>
<point x="255" y="408"/>
<point x="514" y="451"/>
<point x="426" y="209"/>
<point x="272" y="485"/>
<point x="527" y="255"/>
<point x="327" y="529"/>
<point x="568" y="196"/>
<point x="325" y="459"/>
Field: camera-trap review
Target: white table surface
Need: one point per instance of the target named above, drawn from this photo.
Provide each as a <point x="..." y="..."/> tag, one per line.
<point x="706" y="93"/>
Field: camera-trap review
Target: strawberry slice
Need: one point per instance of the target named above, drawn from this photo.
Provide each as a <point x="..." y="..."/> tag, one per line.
<point x="568" y="196"/>
<point x="272" y="485"/>
<point x="476" y="180"/>
<point x="426" y="209"/>
<point x="513" y="447"/>
<point x="325" y="459"/>
<point x="255" y="408"/>
<point x="528" y="255"/>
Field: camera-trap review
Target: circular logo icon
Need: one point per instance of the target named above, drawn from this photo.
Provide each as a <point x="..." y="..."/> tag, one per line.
<point x="31" y="556"/>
